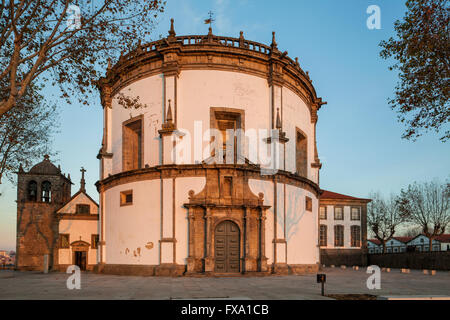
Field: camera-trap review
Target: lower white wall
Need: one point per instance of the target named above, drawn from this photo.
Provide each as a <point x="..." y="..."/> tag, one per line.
<point x="294" y="224"/>
<point x="133" y="231"/>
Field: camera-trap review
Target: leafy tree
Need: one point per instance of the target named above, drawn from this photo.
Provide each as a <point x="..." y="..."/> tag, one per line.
<point x="422" y="54"/>
<point x="65" y="42"/>
<point x="428" y="206"/>
<point x="384" y="217"/>
<point x="26" y="132"/>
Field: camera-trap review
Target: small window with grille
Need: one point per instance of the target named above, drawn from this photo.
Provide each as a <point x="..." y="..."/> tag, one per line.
<point x="126" y="198"/>
<point x="83" y="209"/>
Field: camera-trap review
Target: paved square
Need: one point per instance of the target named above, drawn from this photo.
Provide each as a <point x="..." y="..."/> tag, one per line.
<point x="29" y="285"/>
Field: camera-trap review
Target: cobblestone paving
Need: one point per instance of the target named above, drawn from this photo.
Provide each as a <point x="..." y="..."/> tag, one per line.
<point x="32" y="285"/>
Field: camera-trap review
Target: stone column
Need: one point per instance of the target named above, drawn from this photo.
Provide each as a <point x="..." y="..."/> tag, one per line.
<point x="262" y="240"/>
<point x="209" y="258"/>
<point x="246" y="266"/>
<point x="191" y="257"/>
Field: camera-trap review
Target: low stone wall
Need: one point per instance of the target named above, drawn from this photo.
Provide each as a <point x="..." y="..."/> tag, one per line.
<point x="170" y="270"/>
<point x="343" y="257"/>
<point x="412" y="260"/>
<point x="141" y="270"/>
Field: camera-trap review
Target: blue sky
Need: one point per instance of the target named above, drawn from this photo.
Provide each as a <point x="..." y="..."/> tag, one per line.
<point x="358" y="136"/>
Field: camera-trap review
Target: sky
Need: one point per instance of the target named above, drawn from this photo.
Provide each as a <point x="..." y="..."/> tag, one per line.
<point x="358" y="136"/>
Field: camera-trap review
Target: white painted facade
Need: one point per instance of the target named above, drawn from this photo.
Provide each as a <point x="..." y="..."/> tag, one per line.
<point x="137" y="234"/>
<point x="422" y="243"/>
<point x="419" y="243"/>
<point x="373" y="247"/>
<point x="79" y="228"/>
<point x="346" y="222"/>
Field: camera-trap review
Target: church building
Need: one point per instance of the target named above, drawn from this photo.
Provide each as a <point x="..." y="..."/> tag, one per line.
<point x="54" y="229"/>
<point x="216" y="173"/>
<point x="250" y="205"/>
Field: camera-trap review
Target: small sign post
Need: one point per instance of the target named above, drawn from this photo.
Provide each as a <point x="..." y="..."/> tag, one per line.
<point x="322" y="278"/>
<point x="46" y="263"/>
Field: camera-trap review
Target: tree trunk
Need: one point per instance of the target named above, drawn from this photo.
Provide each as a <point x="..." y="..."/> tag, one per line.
<point x="383" y="244"/>
<point x="431" y="243"/>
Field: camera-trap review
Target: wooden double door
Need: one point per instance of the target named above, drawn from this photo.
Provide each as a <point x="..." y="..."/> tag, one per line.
<point x="80" y="259"/>
<point x="227" y="248"/>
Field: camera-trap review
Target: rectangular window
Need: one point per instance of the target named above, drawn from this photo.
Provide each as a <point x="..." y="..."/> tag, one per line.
<point x="338" y="213"/>
<point x="227" y="186"/>
<point x="355" y="213"/>
<point x="94" y="241"/>
<point x="228" y="122"/>
<point x="132" y="144"/>
<point x="224" y="127"/>
<point x="83" y="208"/>
<point x="355" y="232"/>
<point x="323" y="213"/>
<point x="64" y="241"/>
<point x="338" y="236"/>
<point x="126" y="198"/>
<point x="301" y="153"/>
<point x="323" y="236"/>
<point x="308" y="203"/>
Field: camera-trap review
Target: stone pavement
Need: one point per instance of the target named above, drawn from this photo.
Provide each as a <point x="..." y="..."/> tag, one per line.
<point x="32" y="285"/>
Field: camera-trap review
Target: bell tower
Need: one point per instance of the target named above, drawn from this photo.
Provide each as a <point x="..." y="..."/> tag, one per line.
<point x="40" y="192"/>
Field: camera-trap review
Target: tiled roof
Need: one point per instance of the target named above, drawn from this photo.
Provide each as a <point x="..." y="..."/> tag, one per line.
<point x="443" y="238"/>
<point x="333" y="195"/>
<point x="403" y="239"/>
<point x="45" y="167"/>
<point x="376" y="241"/>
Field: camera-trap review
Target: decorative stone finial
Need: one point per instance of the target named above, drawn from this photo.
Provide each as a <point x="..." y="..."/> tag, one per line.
<point x="46" y="157"/>
<point x="68" y="176"/>
<point x="296" y="62"/>
<point x="169" y="113"/>
<point x="210" y="32"/>
<point x="20" y="168"/>
<point x="274" y="42"/>
<point x="241" y="39"/>
<point x="109" y="64"/>
<point x="278" y="124"/>
<point x="172" y="29"/>
<point x="82" y="182"/>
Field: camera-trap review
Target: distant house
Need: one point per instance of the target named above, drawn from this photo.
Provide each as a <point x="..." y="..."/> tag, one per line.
<point x="342" y="228"/>
<point x="444" y="240"/>
<point x="374" y="246"/>
<point x="394" y="245"/>
<point x="422" y="243"/>
<point x="419" y="243"/>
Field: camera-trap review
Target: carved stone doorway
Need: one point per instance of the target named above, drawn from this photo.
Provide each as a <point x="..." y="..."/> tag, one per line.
<point x="80" y="254"/>
<point x="226" y="247"/>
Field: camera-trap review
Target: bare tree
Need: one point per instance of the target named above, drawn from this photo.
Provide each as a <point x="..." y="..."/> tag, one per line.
<point x="64" y="43"/>
<point x="428" y="206"/>
<point x="412" y="231"/>
<point x="384" y="217"/>
<point x="26" y="132"/>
